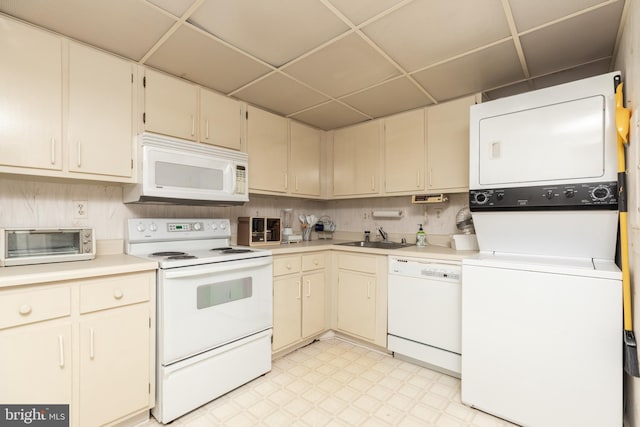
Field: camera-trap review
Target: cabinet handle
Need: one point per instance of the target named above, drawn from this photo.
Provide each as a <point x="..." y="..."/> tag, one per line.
<point x="286" y="181"/>
<point x="368" y="290"/>
<point x="373" y="183"/>
<point x="288" y="266"/>
<point x="418" y="178"/>
<point x="299" y="290"/>
<point x="296" y="182"/>
<point x="308" y="288"/>
<point x="206" y="129"/>
<point x="61" y="348"/>
<point x="91" y="352"/>
<point x="53" y="150"/>
<point x="25" y="309"/>
<point x="79" y="153"/>
<point x="118" y="294"/>
<point x="316" y="262"/>
<point x="193" y="125"/>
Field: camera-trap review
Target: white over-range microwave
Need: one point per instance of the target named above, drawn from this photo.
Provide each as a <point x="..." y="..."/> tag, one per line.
<point x="174" y="171"/>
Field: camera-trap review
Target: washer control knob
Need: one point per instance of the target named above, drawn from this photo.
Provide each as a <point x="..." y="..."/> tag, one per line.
<point x="570" y="193"/>
<point x="481" y="198"/>
<point x="549" y="194"/>
<point x="500" y="196"/>
<point x="600" y="193"/>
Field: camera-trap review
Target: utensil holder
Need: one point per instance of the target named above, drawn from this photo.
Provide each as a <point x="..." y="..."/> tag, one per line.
<point x="306" y="233"/>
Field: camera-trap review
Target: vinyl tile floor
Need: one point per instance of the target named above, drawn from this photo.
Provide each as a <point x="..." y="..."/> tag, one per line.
<point x="336" y="383"/>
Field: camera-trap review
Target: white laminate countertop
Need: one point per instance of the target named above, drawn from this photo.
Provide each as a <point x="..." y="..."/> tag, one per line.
<point x="429" y="251"/>
<point x="100" y="266"/>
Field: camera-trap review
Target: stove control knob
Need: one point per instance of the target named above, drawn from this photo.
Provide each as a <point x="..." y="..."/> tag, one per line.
<point x="223" y="226"/>
<point x="197" y="226"/>
<point x="153" y="226"/>
<point x="140" y="227"/>
<point x="214" y="226"/>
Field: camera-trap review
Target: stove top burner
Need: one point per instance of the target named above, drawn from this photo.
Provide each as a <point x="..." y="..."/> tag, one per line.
<point x="236" y="251"/>
<point x="184" y="256"/>
<point x="221" y="249"/>
<point x="168" y="253"/>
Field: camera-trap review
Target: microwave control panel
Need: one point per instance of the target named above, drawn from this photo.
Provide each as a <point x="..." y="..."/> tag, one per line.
<point x="601" y="195"/>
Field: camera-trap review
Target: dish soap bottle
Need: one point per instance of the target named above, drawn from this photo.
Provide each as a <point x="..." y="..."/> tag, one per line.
<point x="421" y="237"/>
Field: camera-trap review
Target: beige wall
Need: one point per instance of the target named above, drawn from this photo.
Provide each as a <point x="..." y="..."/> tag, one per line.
<point x="628" y="62"/>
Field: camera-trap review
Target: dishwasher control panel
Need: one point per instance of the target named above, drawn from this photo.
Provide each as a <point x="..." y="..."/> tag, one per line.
<point x="425" y="269"/>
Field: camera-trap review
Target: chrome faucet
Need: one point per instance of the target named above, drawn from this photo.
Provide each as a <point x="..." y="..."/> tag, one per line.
<point x="383" y="234"/>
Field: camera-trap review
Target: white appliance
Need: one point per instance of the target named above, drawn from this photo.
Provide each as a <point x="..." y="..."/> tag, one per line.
<point x="541" y="303"/>
<point x="40" y="245"/>
<point x="171" y="170"/>
<point x="214" y="310"/>
<point x="424" y="312"/>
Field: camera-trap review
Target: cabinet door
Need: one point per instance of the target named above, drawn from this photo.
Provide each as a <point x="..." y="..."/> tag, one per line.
<point x="404" y="152"/>
<point x="357" y="303"/>
<point x="35" y="365"/>
<point x="100" y="132"/>
<point x="286" y="311"/>
<point x="220" y="120"/>
<point x="170" y="105"/>
<point x="356" y="160"/>
<point x="313" y="292"/>
<point x="30" y="97"/>
<point x="267" y="141"/>
<point x="114" y="364"/>
<point x="305" y="159"/>
<point x="448" y="145"/>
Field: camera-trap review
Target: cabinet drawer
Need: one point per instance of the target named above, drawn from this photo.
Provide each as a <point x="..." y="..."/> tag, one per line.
<point x="103" y="293"/>
<point x="362" y="263"/>
<point x="312" y="262"/>
<point x="286" y="265"/>
<point x="33" y="306"/>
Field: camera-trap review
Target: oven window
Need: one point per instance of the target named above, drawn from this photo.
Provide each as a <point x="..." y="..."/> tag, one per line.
<point x="224" y="292"/>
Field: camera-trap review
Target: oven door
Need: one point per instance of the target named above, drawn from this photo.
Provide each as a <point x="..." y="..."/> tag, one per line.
<point x="205" y="306"/>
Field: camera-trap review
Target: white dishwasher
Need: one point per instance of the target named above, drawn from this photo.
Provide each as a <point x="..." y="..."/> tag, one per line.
<point x="424" y="312"/>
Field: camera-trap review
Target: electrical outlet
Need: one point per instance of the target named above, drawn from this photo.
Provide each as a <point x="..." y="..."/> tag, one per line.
<point x="80" y="209"/>
<point x="438" y="213"/>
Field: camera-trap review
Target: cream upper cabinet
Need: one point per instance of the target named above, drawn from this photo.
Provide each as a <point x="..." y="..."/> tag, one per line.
<point x="267" y="140"/>
<point x="448" y="145"/>
<point x="30" y="97"/>
<point x="171" y="105"/>
<point x="305" y="162"/>
<point x="356" y="160"/>
<point x="404" y="152"/>
<point x="221" y="120"/>
<point x="100" y="125"/>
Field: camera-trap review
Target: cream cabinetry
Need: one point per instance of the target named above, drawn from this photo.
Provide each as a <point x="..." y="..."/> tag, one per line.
<point x="356" y="160"/>
<point x="305" y="159"/>
<point x="100" y="125"/>
<point x="47" y="81"/>
<point x="30" y="97"/>
<point x="361" y="297"/>
<point x="88" y="343"/>
<point x="175" y="107"/>
<point x="448" y="145"/>
<point x="299" y="295"/>
<point x="267" y="140"/>
<point x="221" y="120"/>
<point x="404" y="152"/>
<point x="170" y="105"/>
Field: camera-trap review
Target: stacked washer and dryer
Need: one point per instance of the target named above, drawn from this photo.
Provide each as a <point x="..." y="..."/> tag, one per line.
<point x="542" y="302"/>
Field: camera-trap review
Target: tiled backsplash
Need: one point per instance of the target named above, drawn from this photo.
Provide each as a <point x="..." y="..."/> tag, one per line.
<point x="27" y="203"/>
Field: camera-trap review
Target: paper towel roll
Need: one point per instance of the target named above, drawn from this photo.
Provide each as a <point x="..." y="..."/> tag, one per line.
<point x="387" y="214"/>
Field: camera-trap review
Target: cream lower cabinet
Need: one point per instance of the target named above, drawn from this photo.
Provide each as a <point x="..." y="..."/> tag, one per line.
<point x="361" y="297"/>
<point x="87" y="343"/>
<point x="298" y="298"/>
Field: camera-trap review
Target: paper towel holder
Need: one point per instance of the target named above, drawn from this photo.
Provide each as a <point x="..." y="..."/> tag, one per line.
<point x="387" y="214"/>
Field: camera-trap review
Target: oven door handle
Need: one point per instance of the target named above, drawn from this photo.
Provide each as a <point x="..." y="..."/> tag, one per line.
<point x="220" y="267"/>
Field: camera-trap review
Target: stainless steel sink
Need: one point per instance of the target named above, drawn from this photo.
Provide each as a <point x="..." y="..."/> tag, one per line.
<point x="376" y="245"/>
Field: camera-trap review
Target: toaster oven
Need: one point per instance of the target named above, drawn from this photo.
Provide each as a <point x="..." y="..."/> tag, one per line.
<point x="23" y="246"/>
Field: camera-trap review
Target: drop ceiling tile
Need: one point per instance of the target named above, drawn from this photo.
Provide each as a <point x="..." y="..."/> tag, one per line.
<point x="331" y="115"/>
<point x="425" y="32"/>
<point x="127" y="28"/>
<point x="280" y="94"/>
<point x="388" y="98"/>
<point x="358" y="11"/>
<point x="582" y="72"/>
<point x="274" y="31"/>
<point x="488" y="68"/>
<point x="345" y="66"/>
<point x="195" y="56"/>
<point x="577" y="40"/>
<point x="175" y="7"/>
<point x="528" y="14"/>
